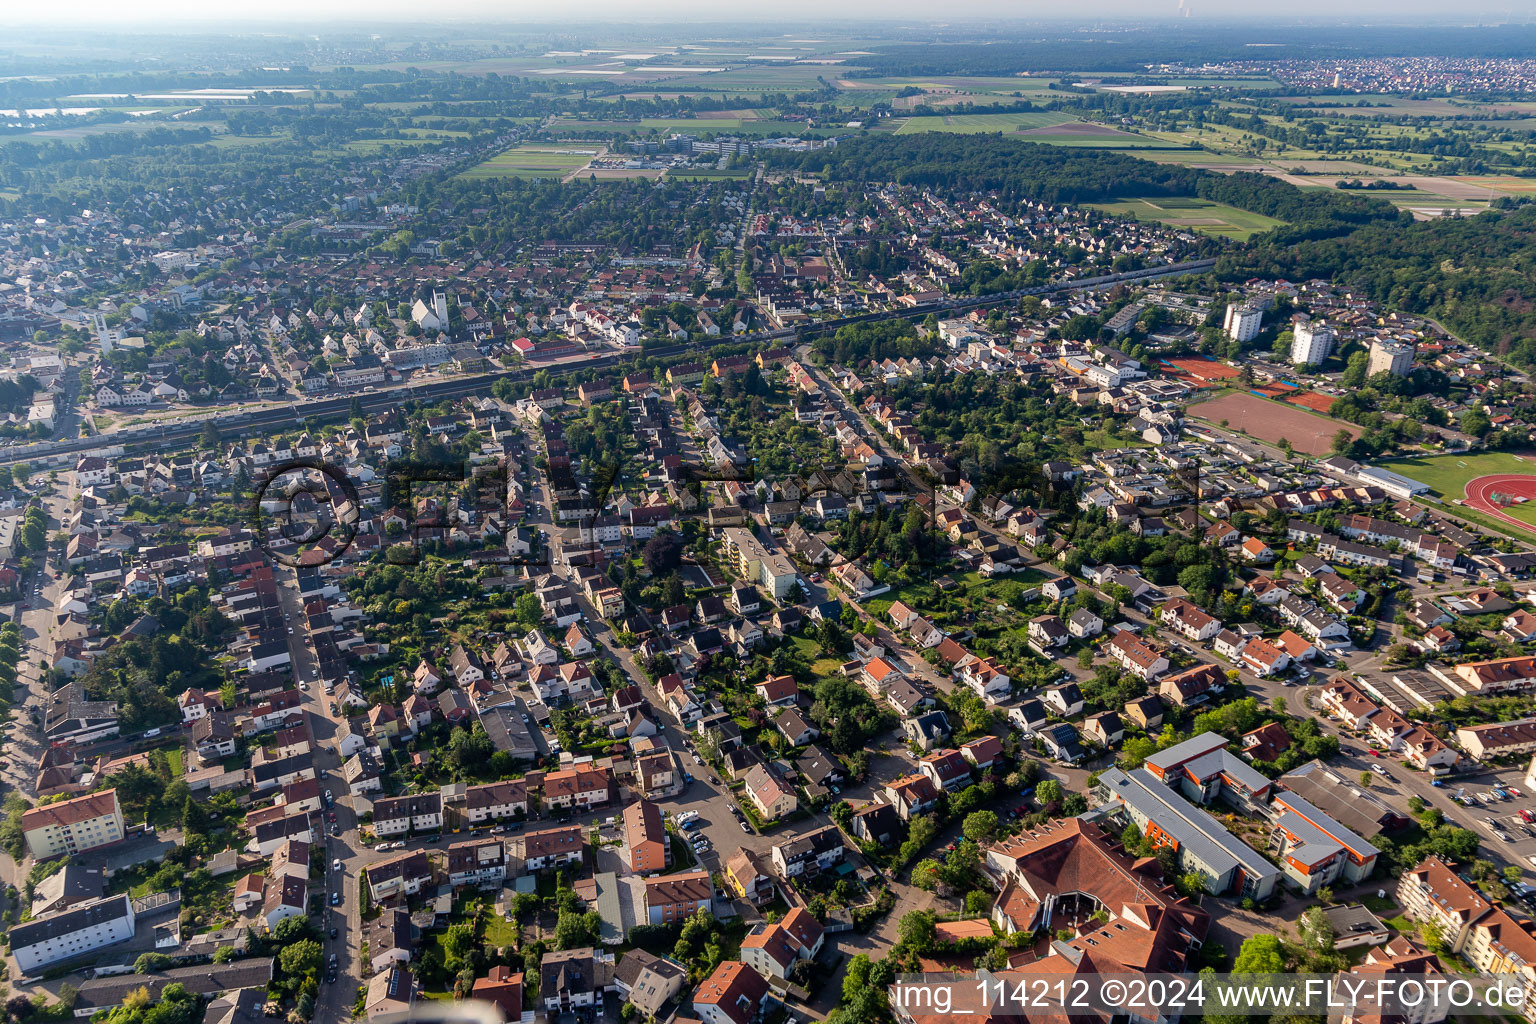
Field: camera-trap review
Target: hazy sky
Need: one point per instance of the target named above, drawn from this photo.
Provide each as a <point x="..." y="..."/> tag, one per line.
<point x="358" y="13"/>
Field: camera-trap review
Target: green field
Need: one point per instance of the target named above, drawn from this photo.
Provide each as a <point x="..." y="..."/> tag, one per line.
<point x="974" y="124"/>
<point x="1117" y="140"/>
<point x="530" y="162"/>
<point x="1194" y="214"/>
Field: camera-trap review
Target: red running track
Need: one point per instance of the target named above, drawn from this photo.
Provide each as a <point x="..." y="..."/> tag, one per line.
<point x="1516" y="484"/>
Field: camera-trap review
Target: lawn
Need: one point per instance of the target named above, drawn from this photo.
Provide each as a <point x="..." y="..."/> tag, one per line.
<point x="1107" y="438"/>
<point x="531" y="162"/>
<point x="973" y="124"/>
<point x="1199" y="215"/>
<point x="810" y="650"/>
<point x="499" y="931"/>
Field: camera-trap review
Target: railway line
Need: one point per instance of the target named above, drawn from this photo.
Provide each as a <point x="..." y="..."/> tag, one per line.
<point x="158" y="436"/>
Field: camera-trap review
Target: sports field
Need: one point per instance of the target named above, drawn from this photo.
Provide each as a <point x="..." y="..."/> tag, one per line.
<point x="975" y="124"/>
<point x="1272" y="421"/>
<point x="1208" y="371"/>
<point x="1199" y="215"/>
<point x="1312" y="400"/>
<point x="1505" y="496"/>
<point x="531" y="162"/>
<point x="1448" y="475"/>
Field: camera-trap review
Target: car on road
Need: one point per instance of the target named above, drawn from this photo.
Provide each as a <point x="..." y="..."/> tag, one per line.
<point x="336" y="864"/>
<point x="1379" y="770"/>
<point x="333" y="932"/>
<point x="335" y="899"/>
<point x="746" y="828"/>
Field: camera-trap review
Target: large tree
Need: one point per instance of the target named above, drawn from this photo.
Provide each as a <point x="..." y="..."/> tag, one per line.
<point x="663" y="553"/>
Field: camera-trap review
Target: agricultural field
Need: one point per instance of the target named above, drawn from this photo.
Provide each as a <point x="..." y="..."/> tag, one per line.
<point x="1084" y="134"/>
<point x="1201" y="158"/>
<point x="686" y="125"/>
<point x="532" y="162"/>
<point x="973" y="124"/>
<point x="1499" y="182"/>
<point x="783" y="78"/>
<point x="1196" y="214"/>
<point x="960" y="85"/>
<point x="1272" y="421"/>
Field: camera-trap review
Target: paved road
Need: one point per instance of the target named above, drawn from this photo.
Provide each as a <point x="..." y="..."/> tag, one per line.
<point x="335" y="1000"/>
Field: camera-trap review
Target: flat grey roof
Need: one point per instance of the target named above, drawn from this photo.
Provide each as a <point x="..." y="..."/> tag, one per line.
<point x="1193" y="829"/>
<point x="1187" y="750"/>
<point x="1325" y="824"/>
